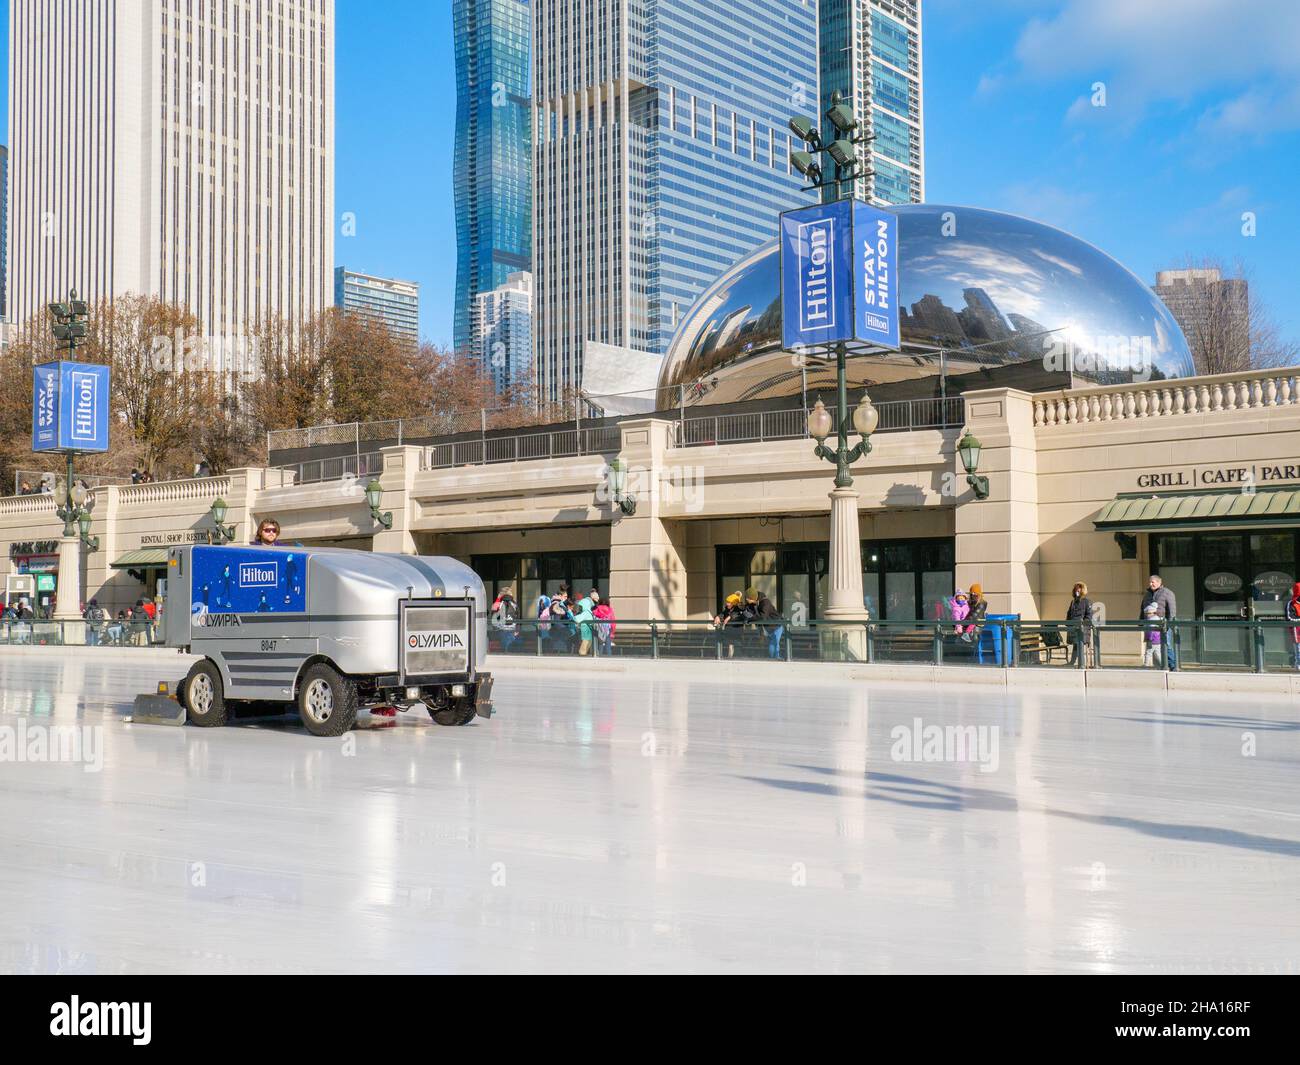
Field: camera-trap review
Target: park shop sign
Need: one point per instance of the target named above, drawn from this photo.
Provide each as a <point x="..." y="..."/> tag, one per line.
<point x="1244" y="475"/>
<point x="30" y="548"/>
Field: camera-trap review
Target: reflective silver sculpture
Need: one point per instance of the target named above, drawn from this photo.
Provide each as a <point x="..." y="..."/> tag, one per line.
<point x="986" y="298"/>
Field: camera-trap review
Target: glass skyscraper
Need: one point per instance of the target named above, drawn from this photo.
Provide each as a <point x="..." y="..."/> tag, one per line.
<point x="871" y="55"/>
<point x="662" y="157"/>
<point x="493" y="152"/>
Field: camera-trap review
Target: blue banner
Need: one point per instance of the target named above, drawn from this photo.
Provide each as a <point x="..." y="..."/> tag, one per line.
<point x="45" y="407"/>
<point x="817" y="275"/>
<point x="875" y="245"/>
<point x="70" y="405"/>
<point x="248" y="580"/>
<point x="839" y="277"/>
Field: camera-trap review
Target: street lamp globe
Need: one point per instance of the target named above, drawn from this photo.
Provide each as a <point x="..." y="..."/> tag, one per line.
<point x="819" y="422"/>
<point x="969" y="450"/>
<point x="866" y="417"/>
<point x="374" y="494"/>
<point x="218" y="511"/>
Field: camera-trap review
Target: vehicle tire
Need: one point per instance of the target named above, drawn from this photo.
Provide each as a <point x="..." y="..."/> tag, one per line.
<point x="204" y="697"/>
<point x="327" y="701"/>
<point x="461" y="712"/>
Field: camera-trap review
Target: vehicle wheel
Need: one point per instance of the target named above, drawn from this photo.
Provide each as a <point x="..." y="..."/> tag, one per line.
<point x="327" y="701"/>
<point x="204" y="696"/>
<point x="461" y="712"/>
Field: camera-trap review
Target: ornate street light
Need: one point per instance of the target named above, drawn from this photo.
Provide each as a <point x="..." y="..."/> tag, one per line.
<point x="222" y="534"/>
<point x="968" y="448"/>
<point x="375" y="495"/>
<point x="821" y="424"/>
<point x="90" y="543"/>
<point x="618" y="487"/>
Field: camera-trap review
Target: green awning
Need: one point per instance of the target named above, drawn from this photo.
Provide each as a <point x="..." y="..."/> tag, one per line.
<point x="145" y="558"/>
<point x="1227" y="509"/>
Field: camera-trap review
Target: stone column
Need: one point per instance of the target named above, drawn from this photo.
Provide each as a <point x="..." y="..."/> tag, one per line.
<point x="844" y="601"/>
<point x="401" y="465"/>
<point x="997" y="538"/>
<point x="647" y="554"/>
<point x="68" y="605"/>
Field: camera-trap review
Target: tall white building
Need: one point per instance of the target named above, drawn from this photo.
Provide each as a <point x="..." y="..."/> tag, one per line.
<point x="177" y="148"/>
<point x="502" y="328"/>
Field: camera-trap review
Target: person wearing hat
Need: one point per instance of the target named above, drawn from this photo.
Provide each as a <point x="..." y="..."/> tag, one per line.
<point x="979" y="606"/>
<point x="729" y="621"/>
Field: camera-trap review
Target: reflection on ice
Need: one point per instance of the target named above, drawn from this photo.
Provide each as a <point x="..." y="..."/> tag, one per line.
<point x="634" y="822"/>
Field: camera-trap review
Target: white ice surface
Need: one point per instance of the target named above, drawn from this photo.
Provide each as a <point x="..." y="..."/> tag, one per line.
<point x="624" y="823"/>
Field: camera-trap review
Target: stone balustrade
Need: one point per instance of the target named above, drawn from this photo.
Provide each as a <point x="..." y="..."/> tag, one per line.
<point x="37" y="504"/>
<point x="1249" y="390"/>
<point x="138" y="495"/>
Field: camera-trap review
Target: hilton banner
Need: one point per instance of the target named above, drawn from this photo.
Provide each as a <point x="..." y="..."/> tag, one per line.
<point x="70" y="407"/>
<point x="839" y="278"/>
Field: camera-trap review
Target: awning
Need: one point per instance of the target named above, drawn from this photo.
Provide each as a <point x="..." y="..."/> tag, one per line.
<point x="145" y="558"/>
<point x="1227" y="509"/>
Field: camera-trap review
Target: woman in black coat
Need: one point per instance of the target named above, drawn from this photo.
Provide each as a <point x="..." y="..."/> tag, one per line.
<point x="1079" y="611"/>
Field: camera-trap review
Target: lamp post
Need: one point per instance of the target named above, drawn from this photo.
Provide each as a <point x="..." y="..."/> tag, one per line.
<point x="70" y="331"/>
<point x="844" y="603"/>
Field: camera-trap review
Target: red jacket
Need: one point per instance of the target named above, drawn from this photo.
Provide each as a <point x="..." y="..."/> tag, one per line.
<point x="1293" y="611"/>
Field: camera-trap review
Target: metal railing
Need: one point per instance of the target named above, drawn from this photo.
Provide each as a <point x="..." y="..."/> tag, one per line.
<point x="316" y="471"/>
<point x="1259" y="646"/>
<point x="111" y="633"/>
<point x="792" y="424"/>
<point x="563" y="443"/>
<point x="1246" y="646"/>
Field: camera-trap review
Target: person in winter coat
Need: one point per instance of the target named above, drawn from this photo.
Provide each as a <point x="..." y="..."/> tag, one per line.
<point x="729" y="621"/>
<point x="960" y="607"/>
<point x="762" y="613"/>
<point x="562" y="628"/>
<point x="1293" y="614"/>
<point x="1151" y="638"/>
<point x="979" y="606"/>
<point x="583" y="616"/>
<point x="505" y="619"/>
<point x="605" y="628"/>
<point x="1167" y="609"/>
<point x="1079" y="614"/>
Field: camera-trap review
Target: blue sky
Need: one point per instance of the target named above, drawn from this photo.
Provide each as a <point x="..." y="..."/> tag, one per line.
<point x="1201" y="123"/>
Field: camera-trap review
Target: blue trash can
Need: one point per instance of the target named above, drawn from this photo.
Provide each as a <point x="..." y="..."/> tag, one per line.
<point x="996" y="637"/>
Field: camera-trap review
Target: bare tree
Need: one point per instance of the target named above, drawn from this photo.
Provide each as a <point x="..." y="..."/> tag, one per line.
<point x="1227" y="327"/>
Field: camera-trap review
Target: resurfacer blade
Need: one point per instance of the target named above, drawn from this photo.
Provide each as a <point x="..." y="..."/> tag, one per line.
<point x="157" y="710"/>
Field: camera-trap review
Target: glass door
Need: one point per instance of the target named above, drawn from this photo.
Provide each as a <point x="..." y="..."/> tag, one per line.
<point x="1272" y="573"/>
<point x="1225" y="591"/>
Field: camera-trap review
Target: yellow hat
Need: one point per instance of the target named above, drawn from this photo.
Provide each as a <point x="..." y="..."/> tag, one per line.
<point x="733" y="599"/>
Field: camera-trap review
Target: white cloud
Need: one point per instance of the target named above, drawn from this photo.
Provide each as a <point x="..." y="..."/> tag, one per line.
<point x="1149" y="51"/>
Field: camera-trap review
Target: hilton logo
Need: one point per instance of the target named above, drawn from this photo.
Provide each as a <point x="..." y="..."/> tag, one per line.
<point x="816" y="276"/>
<point x="258" y="575"/>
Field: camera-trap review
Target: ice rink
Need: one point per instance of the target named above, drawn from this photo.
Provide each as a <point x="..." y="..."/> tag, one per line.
<point x="628" y="822"/>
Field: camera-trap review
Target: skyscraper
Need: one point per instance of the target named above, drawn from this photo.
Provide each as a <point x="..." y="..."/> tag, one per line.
<point x="503" y="326"/>
<point x="4" y="233"/>
<point x="871" y="55"/>
<point x="394" y="303"/>
<point x="661" y="157"/>
<point x="177" y="149"/>
<point x="1213" y="313"/>
<point x="493" y="152"/>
